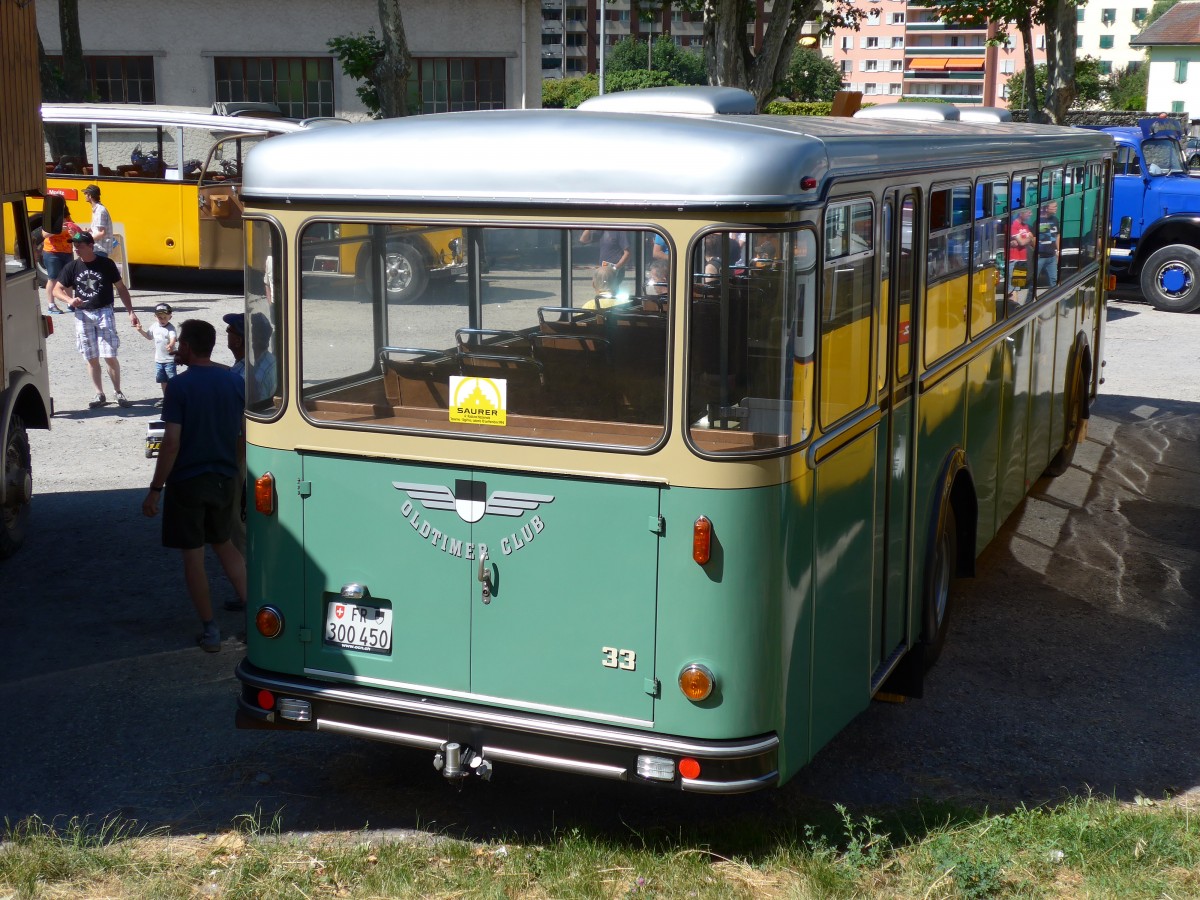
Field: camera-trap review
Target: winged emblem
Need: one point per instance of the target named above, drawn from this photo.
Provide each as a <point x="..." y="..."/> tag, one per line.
<point x="468" y="499"/>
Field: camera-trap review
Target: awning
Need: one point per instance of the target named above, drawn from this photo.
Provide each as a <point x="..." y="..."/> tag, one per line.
<point x="928" y="62"/>
<point x="965" y="64"/>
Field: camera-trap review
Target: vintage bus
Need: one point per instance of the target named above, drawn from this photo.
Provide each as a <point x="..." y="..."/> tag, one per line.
<point x="677" y="479"/>
<point x="171" y="177"/>
<point x="24" y="370"/>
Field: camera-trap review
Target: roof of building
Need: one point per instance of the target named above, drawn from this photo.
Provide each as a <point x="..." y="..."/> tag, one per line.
<point x="1179" y="25"/>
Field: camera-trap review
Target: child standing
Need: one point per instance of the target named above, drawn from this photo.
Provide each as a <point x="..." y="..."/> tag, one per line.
<point x="162" y="332"/>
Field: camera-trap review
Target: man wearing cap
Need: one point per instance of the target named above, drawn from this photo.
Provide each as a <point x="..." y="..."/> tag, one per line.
<point x="102" y="226"/>
<point x="262" y="367"/>
<point x="86" y="285"/>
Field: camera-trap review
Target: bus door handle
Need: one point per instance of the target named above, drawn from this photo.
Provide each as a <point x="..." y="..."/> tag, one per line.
<point x="485" y="578"/>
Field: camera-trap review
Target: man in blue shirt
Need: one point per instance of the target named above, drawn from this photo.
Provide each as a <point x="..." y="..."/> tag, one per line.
<point x="198" y="466"/>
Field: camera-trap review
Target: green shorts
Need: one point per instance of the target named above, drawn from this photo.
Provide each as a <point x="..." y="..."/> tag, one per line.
<point x="197" y="511"/>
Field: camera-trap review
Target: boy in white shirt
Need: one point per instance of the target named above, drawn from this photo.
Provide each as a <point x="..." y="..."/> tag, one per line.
<point x="162" y="332"/>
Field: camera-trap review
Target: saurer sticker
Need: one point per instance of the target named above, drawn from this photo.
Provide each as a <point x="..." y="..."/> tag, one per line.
<point x="471" y="501"/>
<point x="478" y="401"/>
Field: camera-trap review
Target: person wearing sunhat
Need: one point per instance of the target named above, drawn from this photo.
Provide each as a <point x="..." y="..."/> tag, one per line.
<point x="86" y="285"/>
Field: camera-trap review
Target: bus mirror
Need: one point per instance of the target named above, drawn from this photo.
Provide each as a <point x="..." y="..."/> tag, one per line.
<point x="53" y="211"/>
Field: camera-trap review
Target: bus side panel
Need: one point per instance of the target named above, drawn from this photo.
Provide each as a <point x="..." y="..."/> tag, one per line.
<point x="159" y="217"/>
<point x="941" y="423"/>
<point x="727" y="614"/>
<point x="275" y="560"/>
<point x="1042" y="412"/>
<point x="1014" y="420"/>
<point x="984" y="377"/>
<point x="843" y="654"/>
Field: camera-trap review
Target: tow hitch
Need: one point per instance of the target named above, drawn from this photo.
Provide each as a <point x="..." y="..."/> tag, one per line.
<point x="456" y="761"/>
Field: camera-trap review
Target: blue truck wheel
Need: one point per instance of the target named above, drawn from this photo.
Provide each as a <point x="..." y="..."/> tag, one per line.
<point x="1171" y="279"/>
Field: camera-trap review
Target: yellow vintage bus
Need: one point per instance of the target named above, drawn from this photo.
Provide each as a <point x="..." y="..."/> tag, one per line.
<point x="171" y="179"/>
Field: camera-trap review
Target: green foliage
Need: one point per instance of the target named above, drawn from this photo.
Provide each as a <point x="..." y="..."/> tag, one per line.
<point x="1156" y="11"/>
<point x="1085" y="847"/>
<point x="359" y="54"/>
<point x="1089" y="84"/>
<point x="785" y="108"/>
<point x="632" y="81"/>
<point x="630" y="55"/>
<point x="1127" y="89"/>
<point x="568" y="93"/>
<point x="811" y="77"/>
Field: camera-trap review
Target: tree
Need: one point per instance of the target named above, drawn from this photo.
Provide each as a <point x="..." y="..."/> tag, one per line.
<point x="729" y="56"/>
<point x="66" y="83"/>
<point x="1090" y="85"/>
<point x="1156" y="11"/>
<point x="630" y="55"/>
<point x="382" y="64"/>
<point x="1057" y="18"/>
<point x="1127" y="88"/>
<point x="811" y="76"/>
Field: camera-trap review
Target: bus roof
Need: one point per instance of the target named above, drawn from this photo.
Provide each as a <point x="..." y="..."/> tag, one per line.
<point x="166" y="116"/>
<point x="641" y="160"/>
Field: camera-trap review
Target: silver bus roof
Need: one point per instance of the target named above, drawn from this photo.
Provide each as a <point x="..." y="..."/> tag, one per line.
<point x="911" y="112"/>
<point x="680" y="100"/>
<point x="166" y="116"/>
<point x="644" y="160"/>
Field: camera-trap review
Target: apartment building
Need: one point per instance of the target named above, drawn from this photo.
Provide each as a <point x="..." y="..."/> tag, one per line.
<point x="571" y="31"/>
<point x="1105" y="30"/>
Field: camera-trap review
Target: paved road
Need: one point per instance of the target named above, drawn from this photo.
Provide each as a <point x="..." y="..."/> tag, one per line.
<point x="1071" y="660"/>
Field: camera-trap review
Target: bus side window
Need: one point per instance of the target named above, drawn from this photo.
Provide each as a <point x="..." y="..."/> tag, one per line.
<point x="847" y="310"/>
<point x="947" y="279"/>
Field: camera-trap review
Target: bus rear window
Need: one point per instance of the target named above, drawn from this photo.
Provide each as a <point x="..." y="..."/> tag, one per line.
<point x="538" y="334"/>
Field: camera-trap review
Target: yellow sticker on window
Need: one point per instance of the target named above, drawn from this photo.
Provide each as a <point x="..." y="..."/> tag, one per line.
<point x="478" y="401"/>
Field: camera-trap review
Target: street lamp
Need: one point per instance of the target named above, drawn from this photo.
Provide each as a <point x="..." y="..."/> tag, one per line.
<point x="602" y="17"/>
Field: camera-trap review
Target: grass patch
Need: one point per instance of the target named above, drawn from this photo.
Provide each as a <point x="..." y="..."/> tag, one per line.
<point x="1085" y="847"/>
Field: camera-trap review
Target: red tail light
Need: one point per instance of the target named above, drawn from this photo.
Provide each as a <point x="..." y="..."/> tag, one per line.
<point x="702" y="540"/>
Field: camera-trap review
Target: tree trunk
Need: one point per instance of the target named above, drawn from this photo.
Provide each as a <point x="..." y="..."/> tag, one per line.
<point x="391" y="73"/>
<point x="1025" y="26"/>
<point x="727" y="52"/>
<point x="74" y="76"/>
<point x="1060" y="60"/>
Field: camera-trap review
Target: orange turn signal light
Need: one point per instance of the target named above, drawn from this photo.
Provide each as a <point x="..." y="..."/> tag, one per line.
<point x="269" y="622"/>
<point x="689" y="768"/>
<point x="1112" y="282"/>
<point x="696" y="682"/>
<point x="264" y="493"/>
<point x="702" y="540"/>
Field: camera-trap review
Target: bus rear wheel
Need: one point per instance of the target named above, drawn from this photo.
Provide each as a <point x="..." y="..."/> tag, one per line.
<point x="938" y="596"/>
<point x="18" y="484"/>
<point x="1076" y="413"/>
<point x="1171" y="279"/>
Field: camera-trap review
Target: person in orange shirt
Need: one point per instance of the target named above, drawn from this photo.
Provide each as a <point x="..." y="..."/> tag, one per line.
<point x="56" y="253"/>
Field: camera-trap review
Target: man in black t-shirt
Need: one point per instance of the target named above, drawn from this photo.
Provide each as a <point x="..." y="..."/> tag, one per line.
<point x="86" y="285"/>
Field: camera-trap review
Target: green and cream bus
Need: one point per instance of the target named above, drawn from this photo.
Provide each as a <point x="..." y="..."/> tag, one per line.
<point x="675" y="480"/>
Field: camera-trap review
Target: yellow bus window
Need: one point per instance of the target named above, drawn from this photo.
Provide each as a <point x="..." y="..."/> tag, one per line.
<point x="847" y="307"/>
<point x="751" y="323"/>
<point x="947" y="277"/>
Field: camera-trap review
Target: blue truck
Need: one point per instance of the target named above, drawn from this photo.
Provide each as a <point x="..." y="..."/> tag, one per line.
<point x="1156" y="214"/>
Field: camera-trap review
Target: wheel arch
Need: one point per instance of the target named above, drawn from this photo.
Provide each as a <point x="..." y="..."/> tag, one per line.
<point x="1179" y="228"/>
<point x="956" y="491"/>
<point x="22" y="399"/>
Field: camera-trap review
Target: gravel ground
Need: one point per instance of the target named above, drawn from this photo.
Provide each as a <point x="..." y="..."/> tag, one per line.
<point x="1071" y="661"/>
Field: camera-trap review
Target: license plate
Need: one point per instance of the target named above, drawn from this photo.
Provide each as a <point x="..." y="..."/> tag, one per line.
<point x="352" y="626"/>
